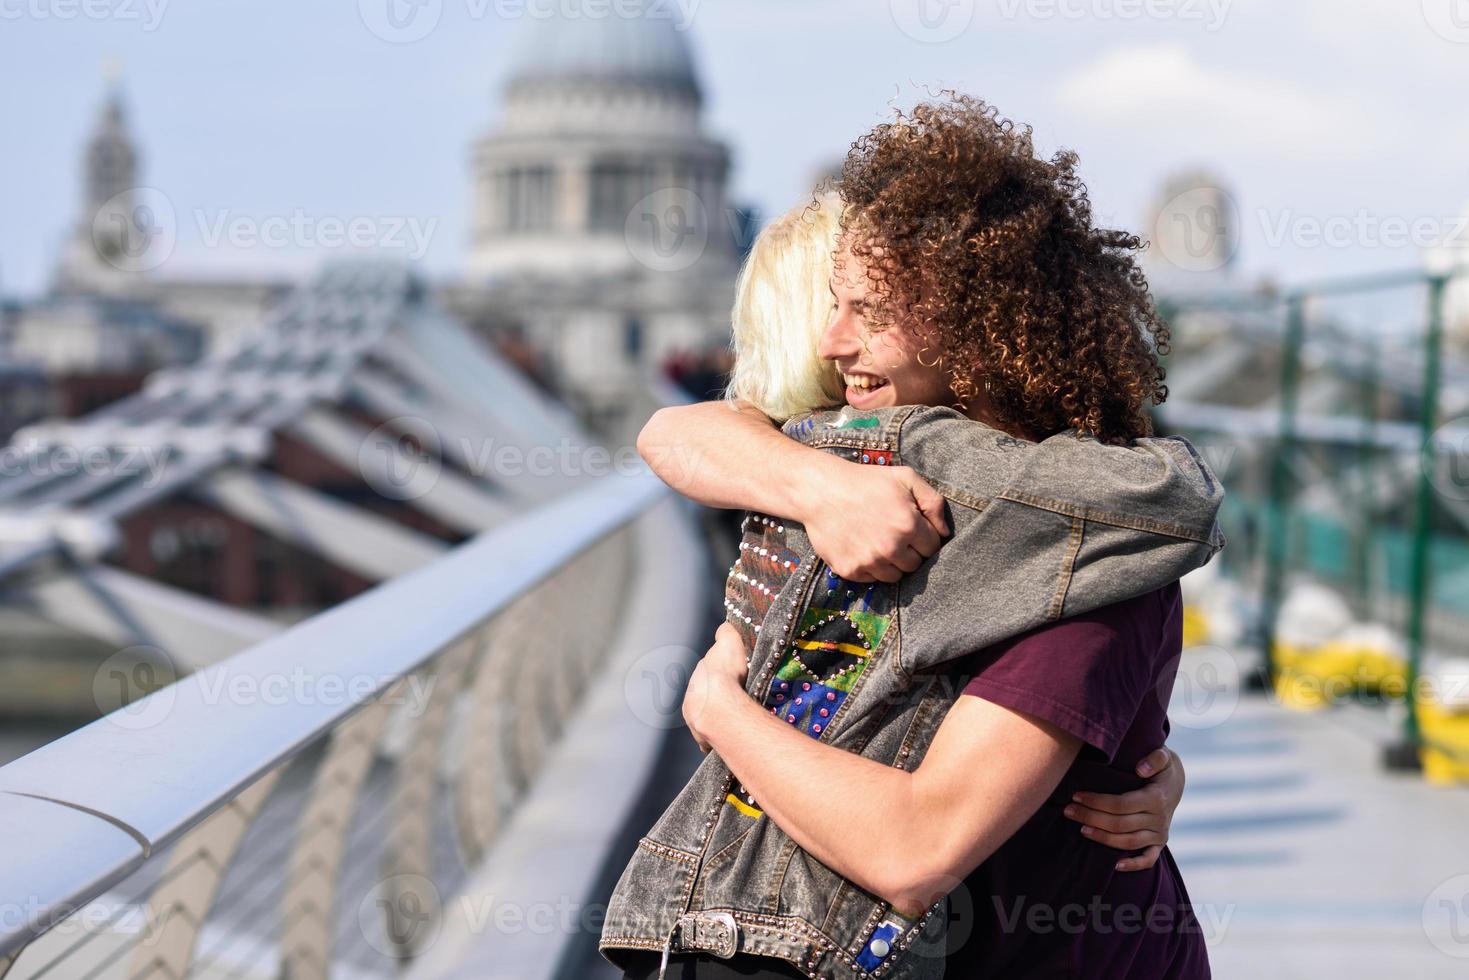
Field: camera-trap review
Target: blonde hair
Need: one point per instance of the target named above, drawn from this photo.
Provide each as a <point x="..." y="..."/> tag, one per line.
<point x="782" y="305"/>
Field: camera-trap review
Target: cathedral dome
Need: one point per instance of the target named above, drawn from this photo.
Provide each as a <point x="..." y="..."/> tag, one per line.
<point x="649" y="50"/>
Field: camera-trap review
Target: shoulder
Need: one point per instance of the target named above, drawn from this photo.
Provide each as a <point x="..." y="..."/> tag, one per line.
<point x="848" y="426"/>
<point x="1135" y="624"/>
<point x="964" y="459"/>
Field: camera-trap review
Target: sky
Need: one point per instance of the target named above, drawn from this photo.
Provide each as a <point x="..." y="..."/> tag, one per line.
<point x="1337" y="126"/>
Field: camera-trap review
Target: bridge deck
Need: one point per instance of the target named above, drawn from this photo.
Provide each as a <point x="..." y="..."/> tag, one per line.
<point x="1305" y="858"/>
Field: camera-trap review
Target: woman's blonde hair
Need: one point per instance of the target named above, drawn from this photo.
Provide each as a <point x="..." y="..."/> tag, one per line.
<point x="782" y="305"/>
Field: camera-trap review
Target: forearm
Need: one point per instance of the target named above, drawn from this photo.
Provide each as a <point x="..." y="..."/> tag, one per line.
<point x="818" y="794"/>
<point x="939" y="822"/>
<point x="722" y="457"/>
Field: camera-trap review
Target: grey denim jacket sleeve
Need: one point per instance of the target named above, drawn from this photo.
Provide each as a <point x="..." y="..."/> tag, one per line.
<point x="1041" y="531"/>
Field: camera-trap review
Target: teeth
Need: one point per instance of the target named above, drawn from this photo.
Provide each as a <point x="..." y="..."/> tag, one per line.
<point x="863" y="381"/>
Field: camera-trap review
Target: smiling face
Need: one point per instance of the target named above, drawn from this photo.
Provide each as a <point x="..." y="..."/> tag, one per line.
<point x="881" y="364"/>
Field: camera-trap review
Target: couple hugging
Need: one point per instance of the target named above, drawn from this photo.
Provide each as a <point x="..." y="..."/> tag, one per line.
<point x="934" y="713"/>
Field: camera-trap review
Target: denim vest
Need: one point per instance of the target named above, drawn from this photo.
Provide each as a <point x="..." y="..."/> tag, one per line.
<point x="1041" y="531"/>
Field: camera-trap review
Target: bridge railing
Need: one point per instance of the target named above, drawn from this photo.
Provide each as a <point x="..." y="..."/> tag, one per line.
<point x="1348" y="516"/>
<point x="286" y="812"/>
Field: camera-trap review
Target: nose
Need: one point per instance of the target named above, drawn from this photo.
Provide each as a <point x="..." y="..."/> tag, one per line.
<point x="839" y="341"/>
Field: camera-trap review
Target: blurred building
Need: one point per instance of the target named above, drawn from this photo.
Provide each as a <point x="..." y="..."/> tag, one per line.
<point x="603" y="245"/>
<point x="1193" y="231"/>
<point x="107" y="323"/>
<point x="603" y="251"/>
<point x="602" y="232"/>
<point x="108" y="251"/>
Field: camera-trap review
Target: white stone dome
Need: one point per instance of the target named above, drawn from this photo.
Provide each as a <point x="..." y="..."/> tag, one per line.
<point x="649" y="50"/>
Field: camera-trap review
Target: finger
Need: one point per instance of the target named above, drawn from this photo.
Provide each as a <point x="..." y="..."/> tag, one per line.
<point x="1155" y="762"/>
<point x="1111" y="822"/>
<point x="1122" y="842"/>
<point x="905" y="559"/>
<point x="924" y="539"/>
<point x="1138" y="801"/>
<point x="1141" y="862"/>
<point x="930" y="504"/>
<point x="882" y="570"/>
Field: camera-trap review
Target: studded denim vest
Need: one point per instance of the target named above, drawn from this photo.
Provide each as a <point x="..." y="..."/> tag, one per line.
<point x="1040" y="531"/>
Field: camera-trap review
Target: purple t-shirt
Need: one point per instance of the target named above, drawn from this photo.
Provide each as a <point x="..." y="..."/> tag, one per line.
<point x="1049" y="902"/>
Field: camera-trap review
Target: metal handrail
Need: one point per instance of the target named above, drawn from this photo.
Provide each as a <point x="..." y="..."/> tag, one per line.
<point x="80" y="814"/>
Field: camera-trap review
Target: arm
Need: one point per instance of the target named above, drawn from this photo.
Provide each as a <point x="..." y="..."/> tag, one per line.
<point x="868" y="523"/>
<point x="988" y="770"/>
<point x="731" y="455"/>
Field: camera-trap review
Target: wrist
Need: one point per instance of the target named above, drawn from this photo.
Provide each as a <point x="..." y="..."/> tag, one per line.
<point x="812" y="476"/>
<point x="728" y="700"/>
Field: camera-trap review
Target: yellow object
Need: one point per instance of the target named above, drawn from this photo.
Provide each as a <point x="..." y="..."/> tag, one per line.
<point x="1195" y="627"/>
<point x="1384" y="671"/>
<point x="1445" y="751"/>
<point x="1310" y="678"/>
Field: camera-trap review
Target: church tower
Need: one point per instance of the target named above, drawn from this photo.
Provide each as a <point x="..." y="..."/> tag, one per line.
<point x="100" y="256"/>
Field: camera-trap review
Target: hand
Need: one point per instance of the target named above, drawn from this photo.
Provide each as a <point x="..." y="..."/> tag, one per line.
<point x="719" y="675"/>
<point x="1140" y="819"/>
<point x="872" y="523"/>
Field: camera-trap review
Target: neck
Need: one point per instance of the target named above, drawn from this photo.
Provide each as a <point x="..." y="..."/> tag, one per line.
<point x="981" y="409"/>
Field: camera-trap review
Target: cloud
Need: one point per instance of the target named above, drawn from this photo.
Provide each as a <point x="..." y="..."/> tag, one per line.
<point x="1162" y="91"/>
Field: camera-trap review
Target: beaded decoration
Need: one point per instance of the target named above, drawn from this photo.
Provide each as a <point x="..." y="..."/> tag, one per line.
<point x="842" y="624"/>
<point x="834" y="641"/>
<point x="758" y="574"/>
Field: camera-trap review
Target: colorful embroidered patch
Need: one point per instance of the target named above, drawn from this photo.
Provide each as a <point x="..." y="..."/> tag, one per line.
<point x="867" y="422"/>
<point x="800" y="428"/>
<point x="840" y="628"/>
<point x="747" y="808"/>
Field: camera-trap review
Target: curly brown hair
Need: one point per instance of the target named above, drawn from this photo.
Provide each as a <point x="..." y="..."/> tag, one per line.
<point x="970" y="236"/>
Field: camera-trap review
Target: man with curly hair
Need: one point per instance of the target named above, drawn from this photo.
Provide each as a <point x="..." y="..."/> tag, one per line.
<point x="969" y="278"/>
